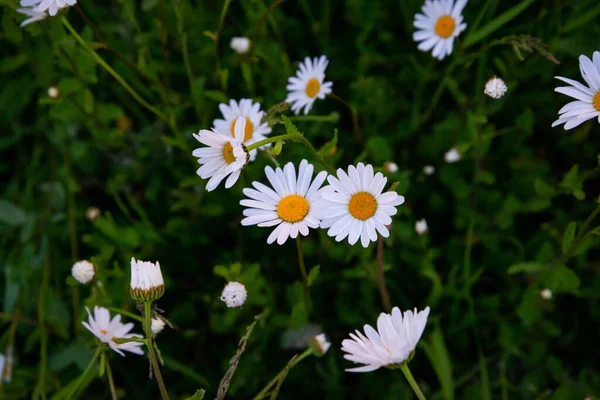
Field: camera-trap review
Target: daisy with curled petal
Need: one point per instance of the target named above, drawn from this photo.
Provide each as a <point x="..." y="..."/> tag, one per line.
<point x="254" y="131"/>
<point x="587" y="105"/>
<point x="391" y="344"/>
<point x="52" y="6"/>
<point x="225" y="155"/>
<point x="308" y="85"/>
<point x="438" y="26"/>
<point x="290" y="206"/>
<point x="106" y="330"/>
<point x="354" y="207"/>
<point x="34" y="16"/>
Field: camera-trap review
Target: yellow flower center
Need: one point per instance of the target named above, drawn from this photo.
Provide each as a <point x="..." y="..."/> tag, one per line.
<point x="102" y="331"/>
<point x="596" y="101"/>
<point x="312" y="87"/>
<point x="292" y="208"/>
<point x="444" y="27"/>
<point x="228" y="153"/>
<point x="248" y="130"/>
<point x="362" y="205"/>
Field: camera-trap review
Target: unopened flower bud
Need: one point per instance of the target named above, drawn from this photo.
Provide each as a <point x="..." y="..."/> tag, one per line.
<point x="319" y="345"/>
<point x="234" y="294"/>
<point x="83" y="271"/>
<point x="146" y="281"/>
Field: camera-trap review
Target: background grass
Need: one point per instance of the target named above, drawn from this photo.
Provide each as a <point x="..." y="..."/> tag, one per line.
<point x="520" y="194"/>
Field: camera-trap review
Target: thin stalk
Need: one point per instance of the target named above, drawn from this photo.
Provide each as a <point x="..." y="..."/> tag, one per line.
<point x="218" y="34"/>
<point x="303" y="272"/>
<point x="383" y="291"/>
<point x="118" y="77"/>
<point x="150" y="346"/>
<point x="262" y="394"/>
<point x="353" y="112"/>
<point x="87" y="370"/>
<point x="111" y="382"/>
<point x="411" y="380"/>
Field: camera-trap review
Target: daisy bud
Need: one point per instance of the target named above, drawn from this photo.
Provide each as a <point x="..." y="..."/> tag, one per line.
<point x="83" y="271"/>
<point x="390" y="167"/>
<point x="319" y="345"/>
<point x="53" y="92"/>
<point x="234" y="294"/>
<point x="495" y="88"/>
<point x="146" y="281"/>
<point x="546" y="294"/>
<point x="421" y="226"/>
<point x="240" y="45"/>
<point x="157" y="325"/>
<point x="428" y="170"/>
<point x="92" y="213"/>
<point x="452" y="155"/>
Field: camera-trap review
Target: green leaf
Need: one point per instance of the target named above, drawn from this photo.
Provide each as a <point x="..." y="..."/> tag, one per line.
<point x="543" y="189"/>
<point x="329" y="147"/>
<point x="313" y="274"/>
<point x="289" y="125"/>
<point x="11" y="214"/>
<point x="129" y="340"/>
<point x="199" y="395"/>
<point x="276" y="150"/>
<point x="438" y="356"/>
<point x="560" y="279"/>
<point x="525" y="267"/>
<point x="569" y="236"/>
<point x="573" y="183"/>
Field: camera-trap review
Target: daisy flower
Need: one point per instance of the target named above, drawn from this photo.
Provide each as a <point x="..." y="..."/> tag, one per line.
<point x="439" y="24"/>
<point x="587" y="105"/>
<point x="34" y="16"/>
<point x="52" y="6"/>
<point x="83" y="271"/>
<point x="291" y="206"/>
<point x="234" y="294"/>
<point x="308" y="85"/>
<point x="254" y="131"/>
<point x="495" y="88"/>
<point x="147" y="283"/>
<point x="106" y="330"/>
<point x="392" y="343"/>
<point x="225" y="155"/>
<point x="354" y="206"/>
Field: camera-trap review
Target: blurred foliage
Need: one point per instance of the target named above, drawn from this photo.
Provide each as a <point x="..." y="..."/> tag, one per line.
<point x="508" y="220"/>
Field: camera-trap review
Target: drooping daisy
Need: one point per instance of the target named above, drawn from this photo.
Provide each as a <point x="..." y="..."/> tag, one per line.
<point x="225" y="155"/>
<point x="308" y="85"/>
<point x="291" y="206"/>
<point x="439" y="24"/>
<point x="392" y="343"/>
<point x="34" y="16"/>
<point x="587" y="105"/>
<point x="254" y="131"/>
<point x="354" y="207"/>
<point x="106" y="330"/>
<point x="52" y="6"/>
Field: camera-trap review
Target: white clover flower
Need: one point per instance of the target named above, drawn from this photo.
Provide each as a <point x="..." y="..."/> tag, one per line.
<point x="355" y="207"/>
<point x="234" y="294"/>
<point x="106" y="330"/>
<point x="254" y="130"/>
<point x="495" y="88"/>
<point x="147" y="282"/>
<point x="546" y="294"/>
<point x="83" y="271"/>
<point x="52" y="6"/>
<point x="240" y="44"/>
<point x="587" y="105"/>
<point x="225" y="155"/>
<point x="428" y="170"/>
<point x="438" y="26"/>
<point x="290" y="207"/>
<point x="393" y="342"/>
<point x="157" y="325"/>
<point x="92" y="213"/>
<point x="319" y="344"/>
<point x="421" y="226"/>
<point x="390" y="167"/>
<point x="452" y="156"/>
<point x="307" y="85"/>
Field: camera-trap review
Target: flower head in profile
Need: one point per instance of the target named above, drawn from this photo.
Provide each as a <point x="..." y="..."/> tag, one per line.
<point x="254" y="130"/>
<point x="391" y="344"/>
<point x="290" y="205"/>
<point x="225" y="156"/>
<point x="106" y="330"/>
<point x="308" y="84"/>
<point x="147" y="282"/>
<point x="52" y="6"/>
<point x="587" y="104"/>
<point x="319" y="344"/>
<point x="240" y="44"/>
<point x="34" y="16"/>
<point x="83" y="271"/>
<point x="438" y="26"/>
<point x="234" y="294"/>
<point x="495" y="88"/>
<point x="355" y="207"/>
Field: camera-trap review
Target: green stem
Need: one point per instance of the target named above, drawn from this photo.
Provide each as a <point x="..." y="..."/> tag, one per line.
<point x="150" y="346"/>
<point x="218" y="34"/>
<point x="303" y="272"/>
<point x="118" y="77"/>
<point x="44" y="331"/>
<point x="383" y="291"/>
<point x="72" y="208"/>
<point x="353" y="112"/>
<point x="111" y="382"/>
<point x="87" y="370"/>
<point x="411" y="380"/>
<point x="262" y="394"/>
